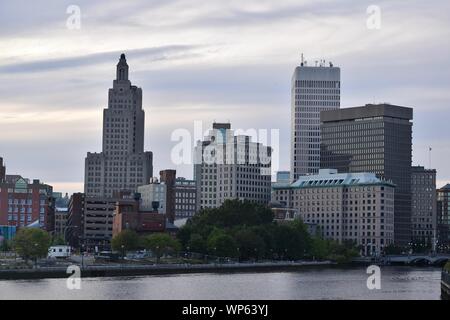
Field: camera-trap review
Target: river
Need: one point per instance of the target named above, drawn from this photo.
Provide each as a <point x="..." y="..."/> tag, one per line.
<point x="325" y="283"/>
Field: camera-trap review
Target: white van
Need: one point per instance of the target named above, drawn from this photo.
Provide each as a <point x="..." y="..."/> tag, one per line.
<point x="59" y="252"/>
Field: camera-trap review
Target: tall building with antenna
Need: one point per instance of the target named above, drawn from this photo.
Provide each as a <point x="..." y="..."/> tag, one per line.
<point x="123" y="164"/>
<point x="314" y="89"/>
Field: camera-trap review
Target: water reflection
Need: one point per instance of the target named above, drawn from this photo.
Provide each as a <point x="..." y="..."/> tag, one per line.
<point x="330" y="283"/>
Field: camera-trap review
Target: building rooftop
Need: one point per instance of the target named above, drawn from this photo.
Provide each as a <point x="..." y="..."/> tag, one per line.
<point x="331" y="178"/>
<point x="367" y="111"/>
<point x="446" y="187"/>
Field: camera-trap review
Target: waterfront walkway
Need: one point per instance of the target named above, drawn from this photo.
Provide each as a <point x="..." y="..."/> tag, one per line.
<point x="114" y="270"/>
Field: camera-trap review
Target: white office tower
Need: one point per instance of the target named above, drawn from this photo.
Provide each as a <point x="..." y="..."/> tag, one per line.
<point x="231" y="167"/>
<point x="122" y="164"/>
<point x="314" y="89"/>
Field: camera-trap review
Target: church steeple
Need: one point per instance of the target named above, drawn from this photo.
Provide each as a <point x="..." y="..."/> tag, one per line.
<point x="122" y="69"/>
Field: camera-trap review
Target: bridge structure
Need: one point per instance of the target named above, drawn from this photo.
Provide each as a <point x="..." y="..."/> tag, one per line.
<point x="417" y="259"/>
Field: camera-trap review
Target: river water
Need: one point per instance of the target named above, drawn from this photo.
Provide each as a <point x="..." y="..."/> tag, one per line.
<point x="326" y="283"/>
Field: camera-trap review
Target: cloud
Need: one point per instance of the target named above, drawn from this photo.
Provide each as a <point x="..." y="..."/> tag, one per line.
<point x="207" y="60"/>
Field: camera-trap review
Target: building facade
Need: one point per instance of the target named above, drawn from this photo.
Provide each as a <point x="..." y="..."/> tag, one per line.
<point x="231" y="167"/>
<point x="424" y="215"/>
<point x="153" y="196"/>
<point x="377" y="139"/>
<point x="23" y="202"/>
<point x="168" y="177"/>
<point x="185" y="198"/>
<point x="61" y="215"/>
<point x="347" y="207"/>
<point x="75" y="220"/>
<point x="314" y="89"/>
<point x="2" y="170"/>
<point x="443" y="213"/>
<point x="129" y="215"/>
<point x="122" y="164"/>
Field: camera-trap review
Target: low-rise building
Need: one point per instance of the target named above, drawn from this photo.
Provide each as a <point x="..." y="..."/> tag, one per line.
<point x="347" y="207"/>
<point x="61" y="215"/>
<point x="153" y="194"/>
<point x="75" y="220"/>
<point x="128" y="216"/>
<point x="23" y="202"/>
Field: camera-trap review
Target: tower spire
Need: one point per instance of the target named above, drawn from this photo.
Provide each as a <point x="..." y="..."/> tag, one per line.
<point x="122" y="69"/>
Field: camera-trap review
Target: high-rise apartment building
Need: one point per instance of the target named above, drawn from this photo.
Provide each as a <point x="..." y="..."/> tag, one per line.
<point x="231" y="167"/>
<point x="423" y="195"/>
<point x="377" y="139"/>
<point x="122" y="164"/>
<point x="314" y="89"/>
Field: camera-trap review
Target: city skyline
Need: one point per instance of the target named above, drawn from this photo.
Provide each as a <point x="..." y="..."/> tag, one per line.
<point x="185" y="68"/>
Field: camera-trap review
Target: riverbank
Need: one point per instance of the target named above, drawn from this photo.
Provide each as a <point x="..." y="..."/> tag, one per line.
<point x="120" y="270"/>
<point x="445" y="282"/>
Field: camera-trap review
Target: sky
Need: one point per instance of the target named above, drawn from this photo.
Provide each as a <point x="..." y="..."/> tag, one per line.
<point x="208" y="61"/>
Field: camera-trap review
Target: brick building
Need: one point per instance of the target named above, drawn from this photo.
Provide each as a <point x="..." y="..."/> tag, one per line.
<point x="23" y="202"/>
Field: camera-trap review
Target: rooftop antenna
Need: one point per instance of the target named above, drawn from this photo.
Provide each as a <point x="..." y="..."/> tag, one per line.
<point x="429" y="157"/>
<point x="303" y="60"/>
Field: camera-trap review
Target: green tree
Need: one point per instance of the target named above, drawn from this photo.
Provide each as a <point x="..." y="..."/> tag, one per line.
<point x="160" y="244"/>
<point x="32" y="244"/>
<point x="221" y="244"/>
<point x="5" y="246"/>
<point x="197" y="243"/>
<point x="292" y="241"/>
<point x="126" y="240"/>
<point x="58" y="241"/>
<point x="250" y="244"/>
<point x="319" y="249"/>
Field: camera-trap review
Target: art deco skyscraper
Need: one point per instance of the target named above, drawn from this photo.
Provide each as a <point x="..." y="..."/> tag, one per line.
<point x="122" y="164"/>
<point x="314" y="89"/>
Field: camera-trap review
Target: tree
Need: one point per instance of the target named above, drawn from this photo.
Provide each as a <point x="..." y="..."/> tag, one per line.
<point x="58" y="241"/>
<point x="250" y="244"/>
<point x="292" y="241"/>
<point x="32" y="243"/>
<point x="319" y="248"/>
<point x="221" y="244"/>
<point x="5" y="246"/>
<point x="126" y="240"/>
<point x="197" y="243"/>
<point x="160" y="244"/>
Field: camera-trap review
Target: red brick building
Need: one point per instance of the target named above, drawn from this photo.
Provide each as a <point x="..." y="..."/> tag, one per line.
<point x="128" y="216"/>
<point x="169" y="177"/>
<point x="23" y="202"/>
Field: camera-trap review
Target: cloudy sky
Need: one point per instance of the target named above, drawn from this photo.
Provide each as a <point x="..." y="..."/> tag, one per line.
<point x="208" y="60"/>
